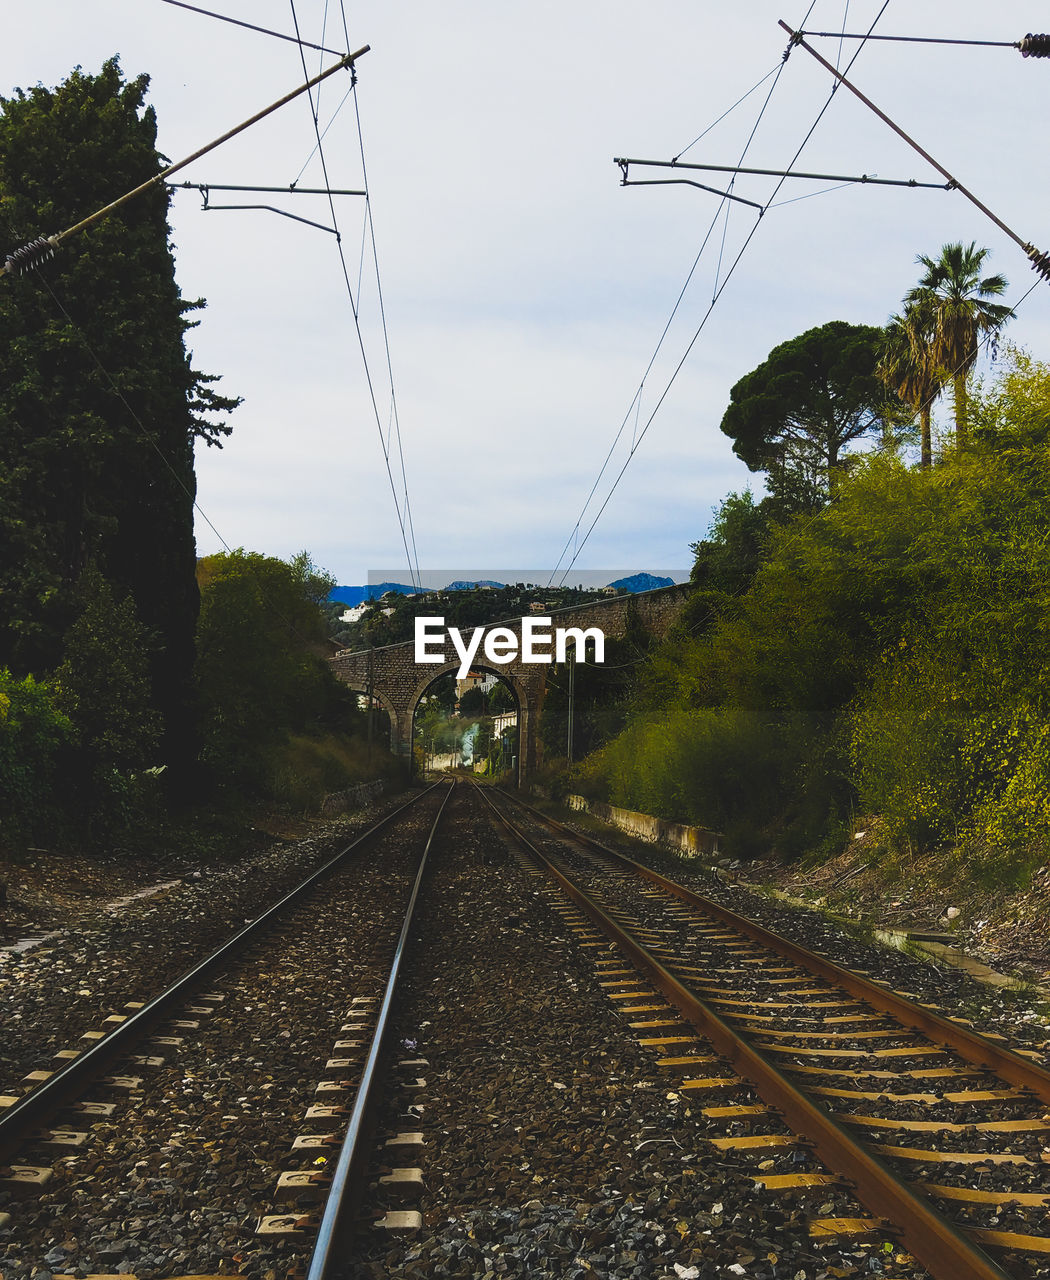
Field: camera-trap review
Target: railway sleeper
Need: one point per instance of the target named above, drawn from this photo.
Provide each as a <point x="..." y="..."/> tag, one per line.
<point x="23" y="1181"/>
<point x="406" y="1181"/>
<point x="944" y="1126"/>
<point x="306" y="1184"/>
<point x="823" y="1228"/>
<point x="57" y="1138"/>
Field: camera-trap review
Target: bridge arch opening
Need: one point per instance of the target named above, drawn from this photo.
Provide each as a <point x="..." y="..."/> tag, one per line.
<point x="472" y="724"/>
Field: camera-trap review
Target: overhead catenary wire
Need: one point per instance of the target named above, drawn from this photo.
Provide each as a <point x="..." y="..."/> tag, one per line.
<point x="636" y="400"/>
<point x="250" y="26"/>
<point x="386" y="340"/>
<point x="413" y="567"/>
<point x="370" y="225"/>
<point x="324" y="133"/>
<point x="718" y="293"/>
<point x="699" y="625"/>
<point x="729" y="110"/>
<point x="811" y="195"/>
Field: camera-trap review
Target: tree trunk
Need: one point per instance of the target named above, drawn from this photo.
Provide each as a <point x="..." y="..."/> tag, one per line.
<point x="926" y="455"/>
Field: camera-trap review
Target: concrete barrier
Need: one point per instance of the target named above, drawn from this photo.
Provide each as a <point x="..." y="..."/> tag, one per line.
<point x="643" y="826"/>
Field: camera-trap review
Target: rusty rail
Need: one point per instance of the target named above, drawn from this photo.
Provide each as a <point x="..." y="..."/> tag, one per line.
<point x="970" y="1045"/>
<point x="933" y="1240"/>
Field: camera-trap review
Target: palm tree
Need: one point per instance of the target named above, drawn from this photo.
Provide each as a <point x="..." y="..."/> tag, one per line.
<point x="962" y="314"/>
<point x="907" y="367"/>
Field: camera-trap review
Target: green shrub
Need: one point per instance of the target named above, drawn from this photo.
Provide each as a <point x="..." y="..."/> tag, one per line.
<point x="303" y="770"/>
<point x="35" y="738"/>
<point x="708" y="767"/>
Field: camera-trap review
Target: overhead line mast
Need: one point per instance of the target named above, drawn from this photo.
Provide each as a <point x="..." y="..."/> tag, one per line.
<point x="31" y="255"/>
<point x="1039" y="260"/>
<point x="774" y="173"/>
<point x="1032" y="46"/>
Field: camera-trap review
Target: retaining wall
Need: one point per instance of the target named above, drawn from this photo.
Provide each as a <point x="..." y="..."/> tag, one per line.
<point x="355" y="797"/>
<point x="644" y="826"/>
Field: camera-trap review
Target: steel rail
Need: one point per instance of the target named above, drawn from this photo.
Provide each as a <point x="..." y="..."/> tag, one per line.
<point x="933" y="1240"/>
<point x="30" y="1111"/>
<point x="970" y="1045"/>
<point x="351" y="1164"/>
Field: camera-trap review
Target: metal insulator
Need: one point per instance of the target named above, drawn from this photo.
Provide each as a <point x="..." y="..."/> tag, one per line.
<point x="1040" y="261"/>
<point x="1035" y="46"/>
<point x="29" y="256"/>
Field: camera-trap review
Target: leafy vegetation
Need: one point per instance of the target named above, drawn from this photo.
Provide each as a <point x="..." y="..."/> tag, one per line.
<point x="114" y="701"/>
<point x="959" y="311"/>
<point x="601" y="694"/>
<point x="35" y="737"/>
<point x="813" y="396"/>
<point x="262" y="679"/>
<point x="884" y="655"/>
<point x="99" y="405"/>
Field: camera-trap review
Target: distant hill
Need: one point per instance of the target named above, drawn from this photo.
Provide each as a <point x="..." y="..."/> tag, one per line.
<point x="642" y="582"/>
<point x="462" y="584"/>
<point x="358" y="595"/>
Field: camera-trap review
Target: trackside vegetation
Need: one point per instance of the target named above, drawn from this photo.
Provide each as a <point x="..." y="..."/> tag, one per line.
<point x="885" y="655"/>
<point x="137" y="685"/>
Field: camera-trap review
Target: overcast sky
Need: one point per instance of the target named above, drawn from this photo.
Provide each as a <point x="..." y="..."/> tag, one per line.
<point x="525" y="291"/>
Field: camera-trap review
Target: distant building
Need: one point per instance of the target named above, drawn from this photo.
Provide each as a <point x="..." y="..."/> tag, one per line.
<point x="474" y="680"/>
<point x="359" y="610"/>
<point x="504" y="721"/>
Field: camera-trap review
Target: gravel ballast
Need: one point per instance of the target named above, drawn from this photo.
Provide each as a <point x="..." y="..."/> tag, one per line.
<point x="100" y="960"/>
<point x="555" y="1145"/>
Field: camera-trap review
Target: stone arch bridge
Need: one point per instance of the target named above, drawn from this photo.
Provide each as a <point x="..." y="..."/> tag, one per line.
<point x="398" y="681"/>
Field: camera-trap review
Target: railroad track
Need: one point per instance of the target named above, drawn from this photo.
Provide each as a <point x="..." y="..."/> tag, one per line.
<point x="158" y="1138"/>
<point x="515" y="1169"/>
<point x="942" y="1132"/>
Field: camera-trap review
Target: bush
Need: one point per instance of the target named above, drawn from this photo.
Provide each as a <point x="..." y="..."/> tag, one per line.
<point x="35" y="738"/>
<point x="889" y="656"/>
<point x="710" y="767"/>
<point x="304" y="770"/>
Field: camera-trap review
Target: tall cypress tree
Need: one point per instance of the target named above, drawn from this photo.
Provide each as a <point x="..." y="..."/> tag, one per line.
<point x="99" y="403"/>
